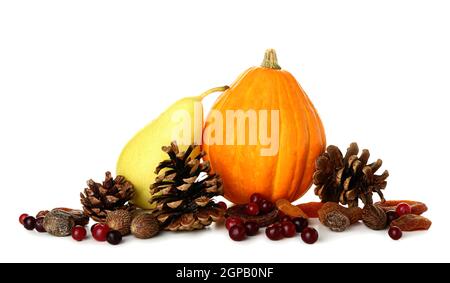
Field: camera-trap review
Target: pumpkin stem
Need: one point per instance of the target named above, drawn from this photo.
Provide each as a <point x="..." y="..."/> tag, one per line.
<point x="216" y="89"/>
<point x="270" y="60"/>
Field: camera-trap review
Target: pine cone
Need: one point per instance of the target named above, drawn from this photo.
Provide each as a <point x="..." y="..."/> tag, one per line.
<point x="349" y="178"/>
<point x="99" y="199"/>
<point x="183" y="190"/>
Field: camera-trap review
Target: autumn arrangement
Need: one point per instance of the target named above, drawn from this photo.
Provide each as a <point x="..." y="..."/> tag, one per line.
<point x="167" y="184"/>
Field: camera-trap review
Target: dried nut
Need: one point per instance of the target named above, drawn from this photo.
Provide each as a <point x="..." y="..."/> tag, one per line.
<point x="137" y="211"/>
<point x="59" y="223"/>
<point x="336" y="221"/>
<point x="374" y="217"/>
<point x="144" y="226"/>
<point x="119" y="220"/>
<point x="79" y="216"/>
<point x="337" y="217"/>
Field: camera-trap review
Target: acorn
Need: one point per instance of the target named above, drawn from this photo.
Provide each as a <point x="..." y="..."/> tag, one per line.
<point x="119" y="220"/>
<point x="145" y="226"/>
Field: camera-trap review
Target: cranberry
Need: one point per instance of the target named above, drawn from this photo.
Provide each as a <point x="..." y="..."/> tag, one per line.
<point x="22" y="218"/>
<point x="93" y="227"/>
<point x="251" y="228"/>
<point x="78" y="233"/>
<point x="309" y="235"/>
<point x="289" y="229"/>
<point x="276" y="224"/>
<point x="40" y="225"/>
<point x="266" y="206"/>
<point x="114" y="237"/>
<point x="300" y="223"/>
<point x="395" y="233"/>
<point x="274" y="232"/>
<point x="29" y="223"/>
<point x="403" y="208"/>
<point x="99" y="232"/>
<point x="231" y="221"/>
<point x="252" y="209"/>
<point x="237" y="232"/>
<point x="391" y="216"/>
<point x="222" y="205"/>
<point x="256" y="198"/>
<point x="285" y="218"/>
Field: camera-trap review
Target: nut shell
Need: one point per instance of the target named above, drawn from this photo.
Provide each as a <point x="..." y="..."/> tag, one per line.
<point x="145" y="226"/>
<point x="119" y="220"/>
<point x="374" y="217"/>
<point x="58" y="223"/>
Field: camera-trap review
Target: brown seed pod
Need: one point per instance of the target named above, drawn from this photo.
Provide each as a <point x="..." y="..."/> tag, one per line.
<point x="337" y="217"/>
<point x="58" y="223"/>
<point x="145" y="226"/>
<point x="374" y="217"/>
<point x="119" y="220"/>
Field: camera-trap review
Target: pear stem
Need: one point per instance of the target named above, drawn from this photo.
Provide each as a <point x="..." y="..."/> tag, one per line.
<point x="270" y="60"/>
<point x="216" y="89"/>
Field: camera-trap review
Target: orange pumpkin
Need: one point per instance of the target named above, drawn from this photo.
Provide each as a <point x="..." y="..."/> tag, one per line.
<point x="244" y="170"/>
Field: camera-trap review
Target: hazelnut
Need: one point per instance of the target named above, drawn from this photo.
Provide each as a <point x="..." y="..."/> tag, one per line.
<point x="144" y="226"/>
<point x="119" y="220"/>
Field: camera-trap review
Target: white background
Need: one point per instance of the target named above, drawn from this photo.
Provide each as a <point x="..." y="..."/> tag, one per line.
<point x="79" y="78"/>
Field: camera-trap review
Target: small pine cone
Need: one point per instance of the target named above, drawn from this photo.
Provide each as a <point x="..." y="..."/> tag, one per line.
<point x="346" y="179"/>
<point x="113" y="194"/>
<point x="184" y="189"/>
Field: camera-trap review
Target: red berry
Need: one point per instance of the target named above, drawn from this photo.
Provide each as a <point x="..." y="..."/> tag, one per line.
<point x="99" y="232"/>
<point x="266" y="206"/>
<point x="252" y="209"/>
<point x="276" y="224"/>
<point x="232" y="221"/>
<point x="300" y="224"/>
<point x="29" y="223"/>
<point x="285" y="218"/>
<point x="403" y="208"/>
<point x="114" y="237"/>
<point x="222" y="205"/>
<point x="237" y="232"/>
<point x="309" y="235"/>
<point x="395" y="233"/>
<point x="93" y="227"/>
<point x="22" y="218"/>
<point x="40" y="225"/>
<point x="78" y="233"/>
<point x="391" y="216"/>
<point x="251" y="228"/>
<point x="274" y="232"/>
<point x="288" y="229"/>
<point x="256" y="198"/>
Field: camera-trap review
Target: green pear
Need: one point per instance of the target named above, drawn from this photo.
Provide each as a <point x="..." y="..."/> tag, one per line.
<point x="182" y="122"/>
